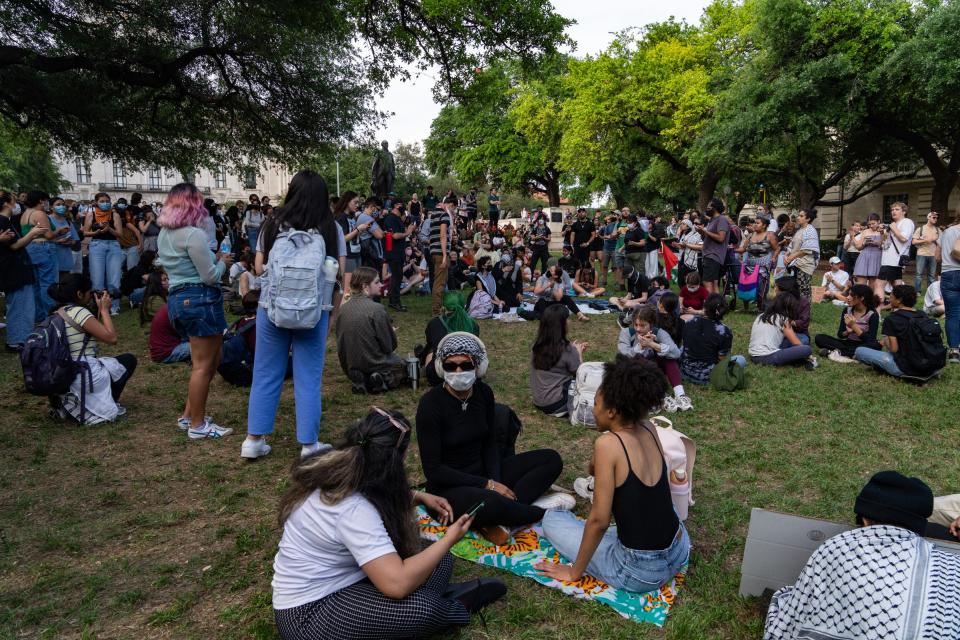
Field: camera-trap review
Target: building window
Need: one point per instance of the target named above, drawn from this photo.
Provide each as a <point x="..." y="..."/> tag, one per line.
<point x="889" y="200"/>
<point x="220" y="178"/>
<point x="83" y="171"/>
<point x="155" y="179"/>
<point x="119" y="175"/>
<point x="250" y="178"/>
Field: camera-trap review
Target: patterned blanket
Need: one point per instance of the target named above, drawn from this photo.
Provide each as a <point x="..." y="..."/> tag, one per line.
<point x="530" y="547"/>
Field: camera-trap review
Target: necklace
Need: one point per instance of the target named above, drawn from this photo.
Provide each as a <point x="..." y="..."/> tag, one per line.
<point x="463" y="401"/>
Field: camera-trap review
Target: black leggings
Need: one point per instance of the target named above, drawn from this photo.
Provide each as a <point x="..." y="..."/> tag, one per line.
<point x="528" y="475"/>
<point x="549" y="301"/>
<point x="540" y="254"/>
<point x="846" y="347"/>
<point x="129" y="362"/>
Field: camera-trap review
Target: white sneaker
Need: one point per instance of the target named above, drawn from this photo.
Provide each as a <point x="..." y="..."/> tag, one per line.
<point x="555" y="502"/>
<point x="253" y="449"/>
<point x="121" y="410"/>
<point x="670" y="405"/>
<point x="208" y="429"/>
<point x="584" y="487"/>
<point x="684" y="403"/>
<point x="184" y="423"/>
<point x="836" y="356"/>
<point x="310" y="449"/>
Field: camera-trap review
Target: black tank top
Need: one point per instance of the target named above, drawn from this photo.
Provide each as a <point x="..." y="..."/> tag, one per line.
<point x="645" y="516"/>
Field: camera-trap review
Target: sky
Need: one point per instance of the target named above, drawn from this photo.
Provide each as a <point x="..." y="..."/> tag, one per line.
<point x="412" y="102"/>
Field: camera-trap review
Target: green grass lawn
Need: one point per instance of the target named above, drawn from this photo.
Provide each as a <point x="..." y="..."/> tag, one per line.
<point x="129" y="530"/>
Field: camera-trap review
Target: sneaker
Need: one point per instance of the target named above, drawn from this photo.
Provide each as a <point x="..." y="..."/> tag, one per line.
<point x="836" y="356"/>
<point x="584" y="487"/>
<point x="376" y="383"/>
<point x="252" y="449"/>
<point x="624" y="319"/>
<point x="684" y="403"/>
<point x="114" y="312"/>
<point x="184" y="423"/>
<point x="316" y="447"/>
<point x="476" y="594"/>
<point x="121" y="410"/>
<point x="555" y="502"/>
<point x="560" y="413"/>
<point x="208" y="429"/>
<point x="810" y="364"/>
<point x="954" y="356"/>
<point x="824" y="353"/>
<point x="670" y="405"/>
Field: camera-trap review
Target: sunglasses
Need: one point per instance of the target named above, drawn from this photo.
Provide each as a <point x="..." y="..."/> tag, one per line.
<point x="399" y="425"/>
<point x="450" y="367"/>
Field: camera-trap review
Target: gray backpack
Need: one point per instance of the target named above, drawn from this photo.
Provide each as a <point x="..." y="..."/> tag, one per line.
<point x="292" y="280"/>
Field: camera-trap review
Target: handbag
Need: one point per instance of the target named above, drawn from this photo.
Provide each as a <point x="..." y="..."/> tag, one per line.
<point x="904" y="257"/>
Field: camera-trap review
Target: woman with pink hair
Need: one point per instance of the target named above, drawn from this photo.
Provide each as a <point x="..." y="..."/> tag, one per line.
<point x="194" y="299"/>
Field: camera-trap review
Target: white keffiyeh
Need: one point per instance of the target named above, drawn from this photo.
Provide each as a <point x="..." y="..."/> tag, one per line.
<point x="873" y="583"/>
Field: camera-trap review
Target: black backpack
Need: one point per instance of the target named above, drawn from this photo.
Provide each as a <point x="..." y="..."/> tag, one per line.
<point x="506" y="429"/>
<point x="48" y="367"/>
<point x="236" y="362"/>
<point x="922" y="349"/>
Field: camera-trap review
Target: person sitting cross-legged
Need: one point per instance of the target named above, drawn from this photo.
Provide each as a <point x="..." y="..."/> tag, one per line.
<point x="649" y="543"/>
<point x="460" y="453"/>
<point x="553" y="362"/>
<point x="858" y="327"/>
<point x="882" y="580"/>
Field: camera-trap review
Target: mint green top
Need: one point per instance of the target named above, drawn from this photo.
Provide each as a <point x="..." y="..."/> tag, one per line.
<point x="185" y="255"/>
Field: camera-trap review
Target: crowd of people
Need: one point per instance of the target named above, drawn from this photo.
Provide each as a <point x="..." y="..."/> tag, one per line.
<point x="349" y="562"/>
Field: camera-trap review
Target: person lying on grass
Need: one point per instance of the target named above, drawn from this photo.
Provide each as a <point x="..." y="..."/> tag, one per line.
<point x="350" y="563"/>
<point x="649" y="544"/>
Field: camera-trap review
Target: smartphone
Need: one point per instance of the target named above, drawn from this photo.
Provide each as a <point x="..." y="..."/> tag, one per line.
<point x="475" y="508"/>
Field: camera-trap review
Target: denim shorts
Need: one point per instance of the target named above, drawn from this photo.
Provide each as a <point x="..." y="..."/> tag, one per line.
<point x="196" y="310"/>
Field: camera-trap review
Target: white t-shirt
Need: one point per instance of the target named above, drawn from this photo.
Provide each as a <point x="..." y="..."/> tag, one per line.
<point x="933" y="294"/>
<point x="235" y="270"/>
<point x="896" y="248"/>
<point x="840" y="279"/>
<point x="323" y="548"/>
<point x="765" y="338"/>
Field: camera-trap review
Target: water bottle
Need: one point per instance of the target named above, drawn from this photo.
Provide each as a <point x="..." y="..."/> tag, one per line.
<point x="330" y="269"/>
<point x="226" y="246"/>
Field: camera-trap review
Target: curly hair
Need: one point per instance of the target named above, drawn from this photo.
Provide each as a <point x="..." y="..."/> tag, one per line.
<point x="632" y="387"/>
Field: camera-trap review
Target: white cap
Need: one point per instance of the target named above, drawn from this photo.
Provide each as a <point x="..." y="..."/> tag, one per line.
<point x="834" y="260"/>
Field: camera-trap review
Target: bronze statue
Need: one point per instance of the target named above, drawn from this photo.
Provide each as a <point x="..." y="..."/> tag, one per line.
<point x="384" y="172"/>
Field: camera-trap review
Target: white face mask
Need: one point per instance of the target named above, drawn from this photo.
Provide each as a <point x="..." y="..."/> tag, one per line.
<point x="692" y="288"/>
<point x="460" y="380"/>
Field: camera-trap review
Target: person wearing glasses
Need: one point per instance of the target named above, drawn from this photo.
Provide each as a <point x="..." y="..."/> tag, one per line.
<point x="461" y="456"/>
<point x="366" y="340"/>
<point x="927" y="241"/>
<point x="350" y="563"/>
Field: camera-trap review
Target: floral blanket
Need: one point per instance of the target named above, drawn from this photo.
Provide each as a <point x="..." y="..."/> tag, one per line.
<point x="530" y="547"/>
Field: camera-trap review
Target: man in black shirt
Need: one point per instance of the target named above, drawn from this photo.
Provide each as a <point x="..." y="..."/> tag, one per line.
<point x="395" y="242"/>
<point x="429" y="201"/>
<point x="583" y="232"/>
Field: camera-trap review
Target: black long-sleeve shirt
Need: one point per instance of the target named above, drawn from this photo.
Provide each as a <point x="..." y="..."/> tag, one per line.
<point x="457" y="448"/>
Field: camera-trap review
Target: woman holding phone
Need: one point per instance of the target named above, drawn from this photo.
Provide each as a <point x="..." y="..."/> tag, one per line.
<point x="350" y="563"/>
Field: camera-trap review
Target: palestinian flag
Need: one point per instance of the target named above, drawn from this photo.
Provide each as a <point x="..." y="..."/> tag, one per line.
<point x="670" y="262"/>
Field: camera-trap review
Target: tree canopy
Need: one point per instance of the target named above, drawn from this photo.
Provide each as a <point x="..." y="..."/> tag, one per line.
<point x="187" y="84"/>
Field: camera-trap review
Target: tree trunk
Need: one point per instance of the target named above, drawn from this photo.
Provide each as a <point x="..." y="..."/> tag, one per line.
<point x="553" y="192"/>
<point x="807" y="194"/>
<point x="705" y="189"/>
<point x="943" y="186"/>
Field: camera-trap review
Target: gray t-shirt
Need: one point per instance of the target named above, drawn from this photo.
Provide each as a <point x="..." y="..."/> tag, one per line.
<point x="717" y="251"/>
<point x="363" y="218"/>
<point x="947" y="241"/>
<point x="548" y="386"/>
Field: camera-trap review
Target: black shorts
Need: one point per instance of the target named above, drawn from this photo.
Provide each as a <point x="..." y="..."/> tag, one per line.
<point x="891" y="274"/>
<point x="711" y="270"/>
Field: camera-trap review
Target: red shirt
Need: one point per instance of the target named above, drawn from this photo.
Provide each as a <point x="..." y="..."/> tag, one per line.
<point x="163" y="337"/>
<point x="693" y="299"/>
<point x="250" y="337"/>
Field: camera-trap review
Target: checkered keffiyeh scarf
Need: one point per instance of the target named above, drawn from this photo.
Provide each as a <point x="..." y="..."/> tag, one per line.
<point x="462" y="343"/>
<point x="873" y="583"/>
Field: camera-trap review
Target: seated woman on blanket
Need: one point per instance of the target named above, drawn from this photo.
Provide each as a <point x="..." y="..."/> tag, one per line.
<point x="552" y="288"/>
<point x="460" y="454"/>
<point x="882" y="580"/>
<point x="646" y="338"/>
<point x="637" y="286"/>
<point x="350" y="564"/>
<point x="98" y="389"/>
<point x="586" y="280"/>
<point x="453" y="317"/>
<point x="366" y="341"/>
<point x="649" y="544"/>
<point x="553" y="362"/>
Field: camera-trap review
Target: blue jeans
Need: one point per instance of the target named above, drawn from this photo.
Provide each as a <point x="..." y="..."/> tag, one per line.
<point x="879" y="359"/>
<point x="21" y="312"/>
<point x="927" y="265"/>
<point x="270" y="367"/>
<point x="802" y="337"/>
<point x="132" y="256"/>
<point x="136" y="296"/>
<point x="180" y="353"/>
<point x="787" y="355"/>
<point x="622" y="567"/>
<point x="950" y="290"/>
<point x="46" y="271"/>
<point x="106" y="265"/>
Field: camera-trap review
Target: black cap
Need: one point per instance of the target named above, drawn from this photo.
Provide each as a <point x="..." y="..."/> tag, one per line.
<point x="892" y="498"/>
